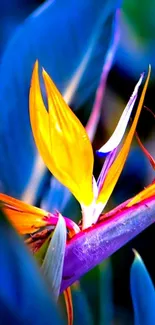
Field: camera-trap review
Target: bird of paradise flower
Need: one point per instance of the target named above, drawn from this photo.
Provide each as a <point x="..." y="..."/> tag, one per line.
<point x="64" y="145"/>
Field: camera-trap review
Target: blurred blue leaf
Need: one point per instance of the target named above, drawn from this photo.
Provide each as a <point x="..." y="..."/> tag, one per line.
<point x="97" y="285"/>
<point x="137" y="46"/>
<point x="137" y="12"/>
<point x="142" y="292"/>
<point x="57" y="197"/>
<point x="54" y="259"/>
<point x="82" y="312"/>
<point x="106" y="294"/>
<point x="24" y="297"/>
<point x="90" y="284"/>
<point x="70" y="41"/>
<point x="12" y="13"/>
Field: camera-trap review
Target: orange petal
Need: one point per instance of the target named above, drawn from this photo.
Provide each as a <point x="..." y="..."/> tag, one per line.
<point x="25" y="218"/>
<point x="69" y="306"/>
<point x="117" y="166"/>
<point x="146" y="193"/>
<point x="61" y="140"/>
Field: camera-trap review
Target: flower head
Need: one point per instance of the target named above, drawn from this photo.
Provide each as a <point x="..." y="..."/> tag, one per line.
<point x="66" y="149"/>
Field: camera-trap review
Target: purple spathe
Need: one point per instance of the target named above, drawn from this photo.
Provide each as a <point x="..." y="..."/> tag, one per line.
<point x="91" y="246"/>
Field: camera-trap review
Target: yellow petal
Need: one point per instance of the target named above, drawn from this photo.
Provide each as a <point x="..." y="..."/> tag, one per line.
<point x="146" y="193"/>
<point x="61" y="140"/>
<point x="69" y="306"/>
<point x="116" y="168"/>
<point x="39" y="117"/>
<point x="25" y="218"/>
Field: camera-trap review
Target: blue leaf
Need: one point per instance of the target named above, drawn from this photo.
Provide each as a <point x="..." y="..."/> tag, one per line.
<point x="106" y="297"/>
<point x="12" y="13"/>
<point x="8" y="315"/>
<point x="98" y="286"/>
<point x="54" y="259"/>
<point x="82" y="311"/>
<point x="70" y="41"/>
<point x="58" y="198"/>
<point x="142" y="292"/>
<point x="24" y="297"/>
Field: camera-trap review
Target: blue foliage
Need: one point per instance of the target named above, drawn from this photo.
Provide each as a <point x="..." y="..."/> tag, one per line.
<point x="24" y="297"/>
<point x="61" y="36"/>
<point x="12" y="13"/>
<point x="82" y="312"/>
<point x="56" y="197"/>
<point x="143" y="293"/>
<point x="106" y="293"/>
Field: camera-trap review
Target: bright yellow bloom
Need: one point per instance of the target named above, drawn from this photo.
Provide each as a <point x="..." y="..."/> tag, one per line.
<point x="61" y="139"/>
<point x="66" y="149"/>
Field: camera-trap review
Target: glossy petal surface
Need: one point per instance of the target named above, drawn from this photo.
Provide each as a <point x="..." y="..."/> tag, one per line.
<point x="61" y="139"/>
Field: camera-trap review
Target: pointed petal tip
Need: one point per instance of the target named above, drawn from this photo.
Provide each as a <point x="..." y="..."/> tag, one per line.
<point x="117" y="166"/>
<point x="44" y="73"/>
<point x="36" y="66"/>
<point x="122" y="124"/>
<point x="47" y="77"/>
<point x="137" y="255"/>
<point x="36" y="63"/>
<point x="146" y="72"/>
<point x="34" y="75"/>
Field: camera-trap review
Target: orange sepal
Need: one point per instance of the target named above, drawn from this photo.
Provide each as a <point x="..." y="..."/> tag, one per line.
<point x="25" y="218"/>
<point x="146" y="193"/>
<point x="69" y="306"/>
